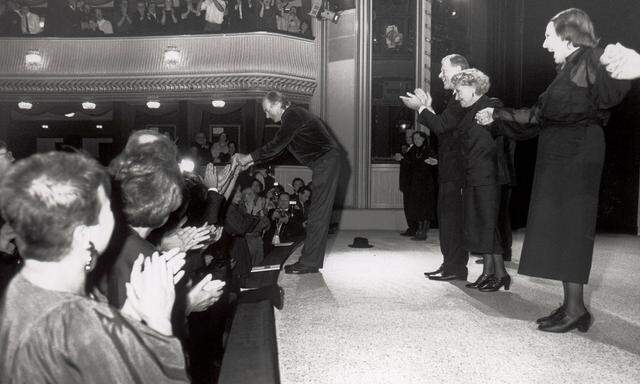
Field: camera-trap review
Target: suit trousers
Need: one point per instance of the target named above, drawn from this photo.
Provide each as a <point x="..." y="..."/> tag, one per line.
<point x="324" y="182"/>
<point x="451" y="222"/>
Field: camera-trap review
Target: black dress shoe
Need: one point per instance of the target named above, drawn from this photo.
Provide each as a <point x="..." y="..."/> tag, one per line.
<point x="566" y="324"/>
<point x="299" y="269"/>
<point x="427" y="274"/>
<point x="557" y="314"/>
<point x="480" y="281"/>
<point x="408" y="232"/>
<point x="494" y="284"/>
<point x="447" y="276"/>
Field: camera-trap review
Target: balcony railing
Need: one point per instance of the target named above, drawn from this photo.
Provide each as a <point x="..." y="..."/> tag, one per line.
<point x="226" y="65"/>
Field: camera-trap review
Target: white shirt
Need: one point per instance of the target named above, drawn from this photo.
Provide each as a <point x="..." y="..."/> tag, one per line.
<point x="105" y="26"/>
<point x="212" y="13"/>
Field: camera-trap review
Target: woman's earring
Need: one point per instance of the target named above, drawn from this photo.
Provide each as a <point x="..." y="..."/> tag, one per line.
<point x="93" y="254"/>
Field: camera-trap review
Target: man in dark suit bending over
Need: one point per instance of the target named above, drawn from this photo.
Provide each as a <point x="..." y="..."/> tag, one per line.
<point x="310" y="141"/>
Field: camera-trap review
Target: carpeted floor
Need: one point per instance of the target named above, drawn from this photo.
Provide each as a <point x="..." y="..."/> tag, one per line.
<point x="371" y="317"/>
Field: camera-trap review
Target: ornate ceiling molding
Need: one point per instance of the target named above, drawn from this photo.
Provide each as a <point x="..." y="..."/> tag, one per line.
<point x="215" y="65"/>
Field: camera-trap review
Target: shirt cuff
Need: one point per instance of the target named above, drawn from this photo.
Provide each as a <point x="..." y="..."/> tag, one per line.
<point x="213" y="189"/>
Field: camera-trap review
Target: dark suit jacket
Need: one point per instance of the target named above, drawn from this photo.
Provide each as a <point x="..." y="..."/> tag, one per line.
<point x="450" y="163"/>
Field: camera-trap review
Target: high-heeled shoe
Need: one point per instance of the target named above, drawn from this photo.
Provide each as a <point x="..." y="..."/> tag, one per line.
<point x="553" y="316"/>
<point x="566" y="324"/>
<point x="480" y="281"/>
<point x="494" y="284"/>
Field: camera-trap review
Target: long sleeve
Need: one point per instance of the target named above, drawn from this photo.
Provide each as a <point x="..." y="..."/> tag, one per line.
<point x="445" y="122"/>
<point x="283" y="137"/>
<point x="517" y="124"/>
<point x="212" y="208"/>
<point x="89" y="342"/>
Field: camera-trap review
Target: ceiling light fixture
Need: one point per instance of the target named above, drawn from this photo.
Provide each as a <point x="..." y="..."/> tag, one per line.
<point x="88" y="105"/>
<point x="172" y="56"/>
<point x="153" y="104"/>
<point x="218" y="103"/>
<point x="70" y="114"/>
<point x="33" y="58"/>
<point x="25" y="105"/>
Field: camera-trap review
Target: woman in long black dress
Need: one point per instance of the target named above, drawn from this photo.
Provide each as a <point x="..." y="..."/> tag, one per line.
<point x="420" y="161"/>
<point x="568" y="119"/>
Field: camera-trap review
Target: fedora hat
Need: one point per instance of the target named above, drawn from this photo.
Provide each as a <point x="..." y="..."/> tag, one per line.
<point x="360" y="242"/>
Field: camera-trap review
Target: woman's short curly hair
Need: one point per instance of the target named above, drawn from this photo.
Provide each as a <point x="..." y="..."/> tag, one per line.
<point x="472" y="78"/>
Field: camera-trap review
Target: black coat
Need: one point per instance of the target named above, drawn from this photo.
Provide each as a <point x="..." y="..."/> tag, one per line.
<point x="420" y="190"/>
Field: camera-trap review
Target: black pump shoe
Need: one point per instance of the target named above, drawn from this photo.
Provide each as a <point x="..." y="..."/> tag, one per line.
<point x="494" y="284"/>
<point x="557" y="314"/>
<point x="566" y="324"/>
<point x="480" y="281"/>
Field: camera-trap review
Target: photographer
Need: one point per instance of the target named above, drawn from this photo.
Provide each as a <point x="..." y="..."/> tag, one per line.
<point x="286" y="223"/>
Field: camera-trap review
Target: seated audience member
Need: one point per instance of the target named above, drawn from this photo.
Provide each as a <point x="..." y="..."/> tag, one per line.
<point x="292" y="21"/>
<point x="124" y="22"/>
<point x="68" y="20"/>
<point x="153" y="19"/>
<point x="214" y="11"/>
<point x="140" y="25"/>
<point x="9" y="258"/>
<point x="266" y="18"/>
<point x="296" y="184"/>
<point x="305" y="29"/>
<point x="169" y="18"/>
<point x="220" y="149"/>
<point x="104" y="25"/>
<point x="201" y="148"/>
<point x="30" y="21"/>
<point x="281" y="20"/>
<point x="254" y="206"/>
<point x="233" y="149"/>
<point x="51" y="330"/>
<point x="10" y="19"/>
<point x="191" y="18"/>
<point x="237" y="223"/>
<point x="304" y="200"/>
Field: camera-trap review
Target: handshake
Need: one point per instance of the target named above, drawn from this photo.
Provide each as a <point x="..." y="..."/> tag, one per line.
<point x="241" y="160"/>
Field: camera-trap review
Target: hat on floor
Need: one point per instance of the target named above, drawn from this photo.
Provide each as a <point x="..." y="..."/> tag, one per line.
<point x="360" y="242"/>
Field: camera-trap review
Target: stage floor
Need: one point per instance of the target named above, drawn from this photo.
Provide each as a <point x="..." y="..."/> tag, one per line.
<point x="370" y="317"/>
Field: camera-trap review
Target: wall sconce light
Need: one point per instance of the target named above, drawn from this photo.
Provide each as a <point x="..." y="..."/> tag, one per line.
<point x="45" y="126"/>
<point x="25" y="105"/>
<point x="33" y="58"/>
<point x="98" y="126"/>
<point x="218" y="103"/>
<point x="88" y="105"/>
<point x="70" y="114"/>
<point x="153" y="104"/>
<point x="172" y="56"/>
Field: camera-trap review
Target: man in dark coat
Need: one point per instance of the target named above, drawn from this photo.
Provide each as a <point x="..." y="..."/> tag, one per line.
<point x="404" y="182"/>
<point x="451" y="173"/>
<point x="310" y="141"/>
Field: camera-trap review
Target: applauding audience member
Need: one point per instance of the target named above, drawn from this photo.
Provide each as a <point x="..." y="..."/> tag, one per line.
<point x="58" y="204"/>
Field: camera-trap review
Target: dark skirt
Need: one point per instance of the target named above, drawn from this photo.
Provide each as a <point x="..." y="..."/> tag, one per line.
<point x="561" y="225"/>
<point x="481" y="206"/>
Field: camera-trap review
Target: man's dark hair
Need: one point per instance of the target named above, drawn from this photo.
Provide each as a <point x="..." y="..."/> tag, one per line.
<point x="297" y="179"/>
<point x="46" y="196"/>
<point x="149" y="189"/>
<point x="277" y="97"/>
<point x="458" y="60"/>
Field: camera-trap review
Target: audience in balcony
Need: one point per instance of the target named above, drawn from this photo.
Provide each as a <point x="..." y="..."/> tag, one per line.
<point x="214" y="11"/>
<point x="80" y="18"/>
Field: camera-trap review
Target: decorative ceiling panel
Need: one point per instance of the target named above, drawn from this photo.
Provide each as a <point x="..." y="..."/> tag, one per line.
<point x="209" y="63"/>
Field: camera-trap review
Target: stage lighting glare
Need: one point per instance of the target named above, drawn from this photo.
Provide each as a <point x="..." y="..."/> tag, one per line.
<point x="218" y="103"/>
<point x="33" y="58"/>
<point x="187" y="165"/>
<point x="70" y="114"/>
<point x="172" y="56"/>
<point x="25" y="105"/>
<point x="153" y="104"/>
<point x="88" y="105"/>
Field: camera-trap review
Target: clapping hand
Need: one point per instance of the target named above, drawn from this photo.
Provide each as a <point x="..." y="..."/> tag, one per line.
<point x="151" y="293"/>
<point x="411" y="101"/>
<point x="204" y="294"/>
<point x="431" y="161"/>
<point x="485" y="116"/>
<point x="621" y="62"/>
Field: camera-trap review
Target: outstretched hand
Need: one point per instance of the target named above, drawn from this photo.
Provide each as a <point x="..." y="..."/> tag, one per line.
<point x="621" y="62"/>
<point x="485" y="116"/>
